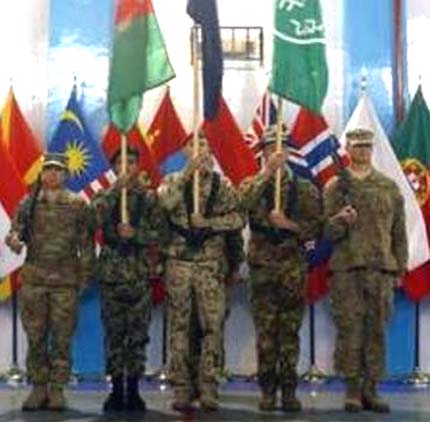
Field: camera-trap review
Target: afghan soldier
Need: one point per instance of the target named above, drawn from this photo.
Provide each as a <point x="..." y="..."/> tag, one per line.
<point x="55" y="225"/>
<point x="277" y="271"/>
<point x="366" y="223"/>
<point x="195" y="266"/>
<point x="124" y="270"/>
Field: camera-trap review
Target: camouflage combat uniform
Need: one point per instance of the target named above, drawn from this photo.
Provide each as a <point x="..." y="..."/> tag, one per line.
<point x="197" y="267"/>
<point x="60" y="259"/>
<point x="234" y="257"/>
<point x="277" y="273"/>
<point x="124" y="269"/>
<point x="367" y="259"/>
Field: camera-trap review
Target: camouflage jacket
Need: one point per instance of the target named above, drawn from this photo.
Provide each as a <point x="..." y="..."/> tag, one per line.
<point x="224" y="217"/>
<point x="377" y="239"/>
<point x="300" y="201"/>
<point x="123" y="259"/>
<point x="59" y="241"/>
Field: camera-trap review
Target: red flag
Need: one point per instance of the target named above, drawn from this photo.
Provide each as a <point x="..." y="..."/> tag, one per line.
<point x="228" y="145"/>
<point x="11" y="193"/>
<point x="112" y="143"/>
<point x="316" y="282"/>
<point x="24" y="149"/>
<point x="166" y="135"/>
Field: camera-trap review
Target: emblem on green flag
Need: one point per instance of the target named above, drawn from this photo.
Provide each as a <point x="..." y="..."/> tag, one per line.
<point x="299" y="68"/>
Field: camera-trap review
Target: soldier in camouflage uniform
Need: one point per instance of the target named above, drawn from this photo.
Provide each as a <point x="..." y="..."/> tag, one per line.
<point x="55" y="226"/>
<point x="234" y="257"/>
<point x="124" y="267"/>
<point x="366" y="223"/>
<point x="195" y="266"/>
<point x="277" y="271"/>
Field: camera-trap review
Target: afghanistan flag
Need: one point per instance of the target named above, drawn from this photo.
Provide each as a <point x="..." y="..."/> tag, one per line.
<point x="139" y="61"/>
<point x="299" y="67"/>
<point x="411" y="142"/>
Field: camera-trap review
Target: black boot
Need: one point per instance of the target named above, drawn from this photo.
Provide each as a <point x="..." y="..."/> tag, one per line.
<point x="115" y="400"/>
<point x="134" y="402"/>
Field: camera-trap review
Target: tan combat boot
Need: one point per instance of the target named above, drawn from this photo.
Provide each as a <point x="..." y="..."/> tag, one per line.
<point x="209" y="397"/>
<point x="182" y="399"/>
<point x="56" y="399"/>
<point x="371" y="400"/>
<point x="37" y="399"/>
<point x="267" y="401"/>
<point x="290" y="403"/>
<point x="353" y="396"/>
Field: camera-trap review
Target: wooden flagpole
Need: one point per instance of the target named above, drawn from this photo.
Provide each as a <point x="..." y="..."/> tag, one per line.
<point x="124" y="213"/>
<point x="278" y="196"/>
<point x="196" y="119"/>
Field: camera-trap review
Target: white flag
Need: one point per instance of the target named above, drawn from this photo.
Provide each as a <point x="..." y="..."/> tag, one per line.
<point x="385" y="161"/>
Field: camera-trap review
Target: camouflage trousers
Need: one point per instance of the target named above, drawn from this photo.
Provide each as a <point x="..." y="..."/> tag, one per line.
<point x="205" y="281"/>
<point x="361" y="304"/>
<point x="277" y="300"/>
<point x="48" y="315"/>
<point x="126" y="314"/>
<point x="196" y="336"/>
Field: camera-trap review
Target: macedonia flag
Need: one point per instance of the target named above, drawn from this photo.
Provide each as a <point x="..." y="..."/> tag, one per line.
<point x="22" y="146"/>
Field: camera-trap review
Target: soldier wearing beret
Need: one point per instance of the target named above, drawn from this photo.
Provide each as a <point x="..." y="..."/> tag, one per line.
<point x="55" y="226"/>
<point x="277" y="271"/>
<point x="365" y="220"/>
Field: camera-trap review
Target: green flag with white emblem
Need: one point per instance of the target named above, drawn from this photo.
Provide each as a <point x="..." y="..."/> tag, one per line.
<point x="299" y="68"/>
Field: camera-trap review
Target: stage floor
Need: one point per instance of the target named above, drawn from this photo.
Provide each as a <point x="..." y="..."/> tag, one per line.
<point x="322" y="402"/>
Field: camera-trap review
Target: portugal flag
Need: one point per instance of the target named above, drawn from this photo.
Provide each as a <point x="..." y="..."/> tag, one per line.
<point x="139" y="61"/>
<point x="411" y="142"/>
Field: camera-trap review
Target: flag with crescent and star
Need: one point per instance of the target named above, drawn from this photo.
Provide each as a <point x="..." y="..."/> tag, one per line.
<point x="87" y="165"/>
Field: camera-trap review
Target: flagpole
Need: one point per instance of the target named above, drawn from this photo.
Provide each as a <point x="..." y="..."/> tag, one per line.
<point x="196" y="96"/>
<point x="124" y="216"/>
<point x="278" y="150"/>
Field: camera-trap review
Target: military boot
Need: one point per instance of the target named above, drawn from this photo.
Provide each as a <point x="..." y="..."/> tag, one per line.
<point x="182" y="398"/>
<point x="267" y="401"/>
<point x="289" y="401"/>
<point x="209" y="397"/>
<point x="134" y="402"/>
<point x="353" y="396"/>
<point x="56" y="399"/>
<point x="115" y="400"/>
<point x="371" y="400"/>
<point x="37" y="399"/>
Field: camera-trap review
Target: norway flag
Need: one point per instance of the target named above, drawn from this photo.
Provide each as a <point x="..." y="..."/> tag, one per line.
<point x="322" y="152"/>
